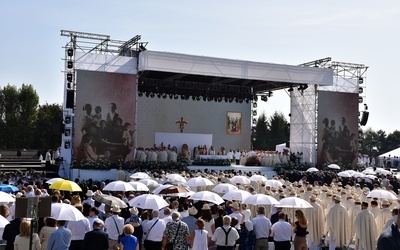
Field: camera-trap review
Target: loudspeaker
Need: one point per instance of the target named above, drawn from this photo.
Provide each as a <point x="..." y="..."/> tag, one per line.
<point x="70" y="99"/>
<point x="364" y="118"/>
<point x="24" y="207"/>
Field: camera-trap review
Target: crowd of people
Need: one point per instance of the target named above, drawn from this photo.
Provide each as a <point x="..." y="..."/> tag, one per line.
<point x="341" y="214"/>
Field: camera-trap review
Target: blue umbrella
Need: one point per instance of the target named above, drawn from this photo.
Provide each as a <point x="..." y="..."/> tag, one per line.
<point x="8" y="188"/>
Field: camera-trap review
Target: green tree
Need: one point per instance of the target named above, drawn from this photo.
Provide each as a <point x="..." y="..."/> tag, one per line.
<point x="260" y="133"/>
<point x="28" y="101"/>
<point x="49" y="119"/>
<point x="10" y="116"/>
<point x="392" y="141"/>
<point x="278" y="130"/>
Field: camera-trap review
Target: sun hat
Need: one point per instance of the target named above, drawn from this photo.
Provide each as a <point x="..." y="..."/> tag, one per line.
<point x="235" y="205"/>
<point x="205" y="207"/>
<point x="115" y="209"/>
<point x="192" y="211"/>
<point x="89" y="193"/>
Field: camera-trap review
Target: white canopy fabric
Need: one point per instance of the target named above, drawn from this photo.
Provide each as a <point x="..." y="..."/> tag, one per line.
<point x="394" y="152"/>
<point x="219" y="67"/>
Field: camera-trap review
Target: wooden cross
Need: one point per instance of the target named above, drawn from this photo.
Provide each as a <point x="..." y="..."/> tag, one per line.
<point x="182" y="124"/>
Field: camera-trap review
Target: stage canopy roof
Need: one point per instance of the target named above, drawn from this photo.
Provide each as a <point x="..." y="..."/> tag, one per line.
<point x="200" y="76"/>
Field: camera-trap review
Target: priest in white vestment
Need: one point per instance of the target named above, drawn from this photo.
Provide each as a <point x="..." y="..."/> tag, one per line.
<point x="337" y="222"/>
<point x="316" y="223"/>
<point x="383" y="216"/>
<point x="365" y="229"/>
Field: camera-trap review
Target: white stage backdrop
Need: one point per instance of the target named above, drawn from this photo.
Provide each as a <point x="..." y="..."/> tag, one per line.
<point x="178" y="139"/>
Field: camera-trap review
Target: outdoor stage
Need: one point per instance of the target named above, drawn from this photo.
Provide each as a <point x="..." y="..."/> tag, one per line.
<point x="100" y="175"/>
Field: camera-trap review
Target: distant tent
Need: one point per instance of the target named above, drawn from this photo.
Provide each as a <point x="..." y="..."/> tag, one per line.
<point x="394" y="152"/>
<point x="281" y="147"/>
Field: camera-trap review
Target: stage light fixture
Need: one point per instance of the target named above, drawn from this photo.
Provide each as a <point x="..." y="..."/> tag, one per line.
<point x="270" y="93"/>
<point x="183" y="97"/>
<point x="67" y="144"/>
<point x="209" y="99"/>
<point x="219" y="99"/>
<point x="365" y="106"/>
<point x="255" y="97"/>
<point x="140" y="94"/>
<point x="147" y="94"/>
<point x="171" y="96"/>
<point x="264" y="98"/>
<point x="290" y="89"/>
<point x="69" y="77"/>
<point x="159" y="95"/>
<point x="70" y="64"/>
<point x="230" y="99"/>
<point x="176" y="96"/>
<point x="305" y="86"/>
<point x="254" y="105"/>
<point x="360" y="99"/>
<point x="254" y="120"/>
<point x="254" y="112"/>
<point x="360" y="90"/>
<point x="193" y="98"/>
<point x="67" y="132"/>
<point x="204" y="98"/>
<point x="226" y="99"/>
<point x="246" y="100"/>
<point x="360" y="80"/>
<point x="240" y="100"/>
<point x="67" y="119"/>
<point x="164" y="96"/>
<point x="215" y="99"/>
<point x="70" y="52"/>
<point x="198" y="98"/>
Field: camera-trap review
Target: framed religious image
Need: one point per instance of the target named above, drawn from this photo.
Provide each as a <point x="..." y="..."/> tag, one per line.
<point x="233" y="123"/>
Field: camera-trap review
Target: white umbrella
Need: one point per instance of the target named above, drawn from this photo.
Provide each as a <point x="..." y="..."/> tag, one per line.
<point x="148" y="201"/>
<point x="236" y="195"/>
<point x="260" y="199"/>
<point x="63" y="211"/>
<point x="158" y="189"/>
<point x="224" y="188"/>
<point x="381" y="194"/>
<point x="5" y="198"/>
<point x="358" y="174"/>
<point x="312" y="170"/>
<point x="199" y="182"/>
<point x="118" y="186"/>
<point x="240" y="179"/>
<point x="344" y="174"/>
<point x="383" y="171"/>
<point x="207" y="196"/>
<point x="333" y="166"/>
<point x="175" y="178"/>
<point x="140" y="175"/>
<point x="371" y="176"/>
<point x="52" y="180"/>
<point x="294" y="202"/>
<point x="368" y="171"/>
<point x="3" y="222"/>
<point x="138" y="186"/>
<point x="149" y="182"/>
<point x="273" y="183"/>
<point x="350" y="171"/>
<point x="258" y="178"/>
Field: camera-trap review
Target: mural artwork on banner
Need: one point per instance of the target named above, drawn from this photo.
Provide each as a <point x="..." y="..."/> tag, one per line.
<point x="337" y="128"/>
<point x="104" y="116"/>
<point x="233" y="123"/>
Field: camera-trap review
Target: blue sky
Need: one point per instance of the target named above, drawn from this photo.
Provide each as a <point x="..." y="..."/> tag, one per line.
<point x="286" y="32"/>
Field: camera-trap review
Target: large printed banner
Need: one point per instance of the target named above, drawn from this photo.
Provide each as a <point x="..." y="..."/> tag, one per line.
<point x="104" y="116"/>
<point x="337" y="128"/>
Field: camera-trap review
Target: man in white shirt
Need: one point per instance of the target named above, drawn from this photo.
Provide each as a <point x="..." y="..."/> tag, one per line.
<point x="154" y="230"/>
<point x="282" y="232"/>
<point x="261" y="228"/>
<point x="225" y="236"/>
<point x="89" y="199"/>
<point x="235" y="208"/>
<point x="167" y="215"/>
<point x="113" y="226"/>
<point x="78" y="229"/>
